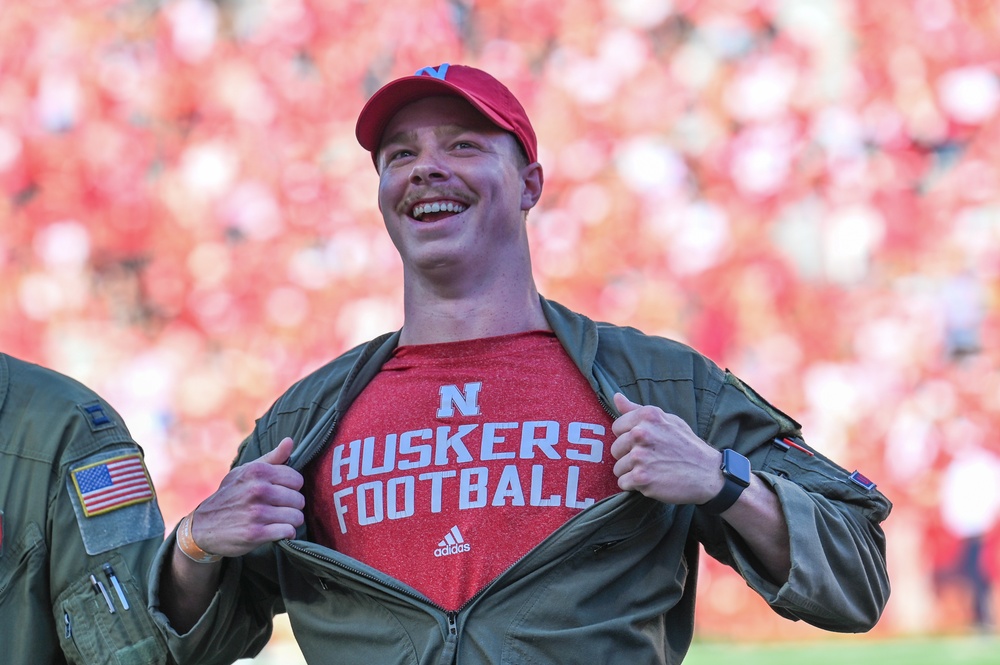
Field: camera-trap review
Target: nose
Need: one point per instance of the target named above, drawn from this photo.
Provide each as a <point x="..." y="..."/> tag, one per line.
<point x="428" y="167"/>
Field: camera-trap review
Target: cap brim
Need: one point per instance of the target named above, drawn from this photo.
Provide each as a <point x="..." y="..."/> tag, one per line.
<point x="385" y="103"/>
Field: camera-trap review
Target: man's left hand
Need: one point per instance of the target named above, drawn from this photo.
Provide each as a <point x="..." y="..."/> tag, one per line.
<point x="660" y="456"/>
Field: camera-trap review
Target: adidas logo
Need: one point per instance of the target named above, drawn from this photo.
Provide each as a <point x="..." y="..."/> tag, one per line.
<point x="453" y="543"/>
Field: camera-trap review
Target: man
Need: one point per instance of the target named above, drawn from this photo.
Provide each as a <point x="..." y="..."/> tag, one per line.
<point x="503" y="480"/>
<point x="79" y="526"/>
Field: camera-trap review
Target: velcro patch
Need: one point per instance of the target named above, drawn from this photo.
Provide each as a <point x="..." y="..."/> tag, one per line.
<point x="112" y="484"/>
<point x="113" y="500"/>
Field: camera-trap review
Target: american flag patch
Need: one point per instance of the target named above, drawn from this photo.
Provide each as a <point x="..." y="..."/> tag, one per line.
<point x="112" y="484"/>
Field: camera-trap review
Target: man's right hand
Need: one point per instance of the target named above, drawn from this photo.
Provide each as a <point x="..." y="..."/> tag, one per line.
<point x="256" y="503"/>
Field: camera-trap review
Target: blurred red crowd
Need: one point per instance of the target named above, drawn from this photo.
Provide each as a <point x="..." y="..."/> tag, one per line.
<point x="807" y="192"/>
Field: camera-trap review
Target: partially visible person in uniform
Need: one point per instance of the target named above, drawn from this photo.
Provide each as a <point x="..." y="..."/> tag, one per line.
<point x="79" y="525"/>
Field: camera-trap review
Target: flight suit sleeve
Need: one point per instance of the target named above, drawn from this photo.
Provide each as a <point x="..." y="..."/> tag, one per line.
<point x="238" y="621"/>
<point x="838" y="580"/>
<point x="105" y="527"/>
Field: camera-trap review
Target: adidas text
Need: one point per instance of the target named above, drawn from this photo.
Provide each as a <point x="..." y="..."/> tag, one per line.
<point x="452" y="549"/>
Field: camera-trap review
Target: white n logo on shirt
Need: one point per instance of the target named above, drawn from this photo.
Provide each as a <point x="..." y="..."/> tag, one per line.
<point x="467" y="401"/>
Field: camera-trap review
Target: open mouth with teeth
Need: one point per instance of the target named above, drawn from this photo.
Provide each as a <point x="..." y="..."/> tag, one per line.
<point x="433" y="211"/>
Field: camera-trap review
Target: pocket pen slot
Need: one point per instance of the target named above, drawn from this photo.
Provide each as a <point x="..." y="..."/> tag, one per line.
<point x="113" y="579"/>
<point x="99" y="589"/>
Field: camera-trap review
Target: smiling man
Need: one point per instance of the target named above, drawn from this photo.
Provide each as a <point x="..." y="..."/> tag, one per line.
<point x="454" y="191"/>
<point x="503" y="480"/>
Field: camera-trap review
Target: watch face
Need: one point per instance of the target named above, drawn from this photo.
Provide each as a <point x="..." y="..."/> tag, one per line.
<point x="736" y="467"/>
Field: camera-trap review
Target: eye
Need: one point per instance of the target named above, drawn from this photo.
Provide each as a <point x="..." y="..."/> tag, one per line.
<point x="398" y="154"/>
<point x="464" y="145"/>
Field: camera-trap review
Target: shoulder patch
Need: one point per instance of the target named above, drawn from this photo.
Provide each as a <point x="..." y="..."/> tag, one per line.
<point x="786" y="422"/>
<point x="861" y="480"/>
<point x="114" y="500"/>
<point x="112" y="484"/>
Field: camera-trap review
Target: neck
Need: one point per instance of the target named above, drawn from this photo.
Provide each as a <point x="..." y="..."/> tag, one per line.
<point x="433" y="317"/>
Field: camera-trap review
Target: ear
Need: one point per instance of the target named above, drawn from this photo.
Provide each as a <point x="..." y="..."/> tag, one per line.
<point x="532" y="178"/>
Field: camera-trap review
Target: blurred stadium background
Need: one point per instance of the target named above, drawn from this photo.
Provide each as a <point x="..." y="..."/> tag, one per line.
<point x="805" y="190"/>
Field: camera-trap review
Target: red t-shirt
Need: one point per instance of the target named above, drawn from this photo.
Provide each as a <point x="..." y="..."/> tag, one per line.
<point x="458" y="458"/>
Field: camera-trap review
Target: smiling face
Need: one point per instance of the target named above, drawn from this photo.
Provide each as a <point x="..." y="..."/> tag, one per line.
<point x="454" y="189"/>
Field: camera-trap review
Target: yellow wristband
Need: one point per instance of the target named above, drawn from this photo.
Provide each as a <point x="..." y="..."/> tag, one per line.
<point x="185" y="541"/>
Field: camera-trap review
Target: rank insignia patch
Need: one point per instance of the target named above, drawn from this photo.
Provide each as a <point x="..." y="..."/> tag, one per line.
<point x="112" y="484"/>
<point x="97" y="416"/>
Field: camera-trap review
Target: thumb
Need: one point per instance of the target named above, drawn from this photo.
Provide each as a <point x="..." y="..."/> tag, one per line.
<point x="624" y="404"/>
<point x="280" y="454"/>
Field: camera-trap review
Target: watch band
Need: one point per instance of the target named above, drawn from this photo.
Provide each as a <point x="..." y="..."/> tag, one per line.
<point x="736" y="474"/>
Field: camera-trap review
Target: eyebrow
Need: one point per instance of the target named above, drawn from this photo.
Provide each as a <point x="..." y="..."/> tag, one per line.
<point x="407" y="136"/>
<point x="398" y="137"/>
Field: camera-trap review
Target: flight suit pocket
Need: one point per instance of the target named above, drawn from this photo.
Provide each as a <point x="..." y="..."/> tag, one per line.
<point x="21" y="563"/>
<point x="96" y="626"/>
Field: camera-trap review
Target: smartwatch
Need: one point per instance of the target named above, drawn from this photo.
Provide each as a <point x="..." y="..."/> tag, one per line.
<point x="736" y="473"/>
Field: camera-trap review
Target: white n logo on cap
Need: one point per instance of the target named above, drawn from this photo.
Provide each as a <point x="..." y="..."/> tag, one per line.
<point x="437" y="72"/>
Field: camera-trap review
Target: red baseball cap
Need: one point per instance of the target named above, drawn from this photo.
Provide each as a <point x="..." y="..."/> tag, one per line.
<point x="488" y="95"/>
